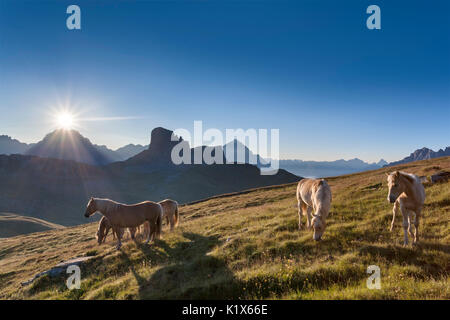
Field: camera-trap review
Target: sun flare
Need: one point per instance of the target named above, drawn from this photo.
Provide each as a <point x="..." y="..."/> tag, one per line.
<point x="65" y="120"/>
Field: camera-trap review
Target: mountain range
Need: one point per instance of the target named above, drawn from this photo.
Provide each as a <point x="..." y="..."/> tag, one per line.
<point x="423" y="154"/>
<point x="69" y="145"/>
<point x="82" y="150"/>
<point x="9" y="145"/>
<point x="316" y="169"/>
<point x="57" y="190"/>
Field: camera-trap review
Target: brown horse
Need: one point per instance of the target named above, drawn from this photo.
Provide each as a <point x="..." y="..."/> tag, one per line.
<point x="407" y="193"/>
<point x="314" y="194"/>
<point x="128" y="216"/>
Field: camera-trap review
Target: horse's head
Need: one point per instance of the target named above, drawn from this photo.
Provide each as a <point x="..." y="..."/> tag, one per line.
<point x="91" y="208"/>
<point x="319" y="225"/>
<point x="394" y="185"/>
<point x="100" y="235"/>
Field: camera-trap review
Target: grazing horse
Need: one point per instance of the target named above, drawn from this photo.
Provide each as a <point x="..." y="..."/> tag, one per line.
<point x="128" y="216"/>
<point x="407" y="193"/>
<point x="103" y="229"/>
<point x="314" y="195"/>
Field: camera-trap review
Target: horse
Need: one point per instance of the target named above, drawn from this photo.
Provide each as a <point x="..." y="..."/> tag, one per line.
<point x="407" y="193"/>
<point x="314" y="194"/>
<point x="128" y="216"/>
<point x="103" y="229"/>
<point x="170" y="212"/>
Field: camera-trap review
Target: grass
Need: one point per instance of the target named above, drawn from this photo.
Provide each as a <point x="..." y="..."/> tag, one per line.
<point x="247" y="246"/>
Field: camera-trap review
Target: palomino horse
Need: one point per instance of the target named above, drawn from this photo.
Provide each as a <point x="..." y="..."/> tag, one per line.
<point x="314" y="195"/>
<point x="407" y="193"/>
<point x="128" y="216"/>
<point x="103" y="229"/>
<point x="170" y="213"/>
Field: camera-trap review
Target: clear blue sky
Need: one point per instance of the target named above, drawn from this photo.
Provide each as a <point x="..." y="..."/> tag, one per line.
<point x="310" y="68"/>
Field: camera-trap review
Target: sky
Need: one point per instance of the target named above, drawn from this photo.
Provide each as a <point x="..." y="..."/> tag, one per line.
<point x="311" y="69"/>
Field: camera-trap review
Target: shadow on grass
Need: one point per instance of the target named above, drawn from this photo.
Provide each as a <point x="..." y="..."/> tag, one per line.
<point x="187" y="271"/>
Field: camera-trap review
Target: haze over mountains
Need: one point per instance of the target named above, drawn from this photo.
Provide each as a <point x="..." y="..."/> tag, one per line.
<point x="9" y="145"/>
<point x="317" y="169"/>
<point x="57" y="190"/>
<point x="69" y="145"/>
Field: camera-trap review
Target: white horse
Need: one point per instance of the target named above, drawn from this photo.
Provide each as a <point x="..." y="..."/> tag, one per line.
<point x="407" y="193"/>
<point x="314" y="194"/>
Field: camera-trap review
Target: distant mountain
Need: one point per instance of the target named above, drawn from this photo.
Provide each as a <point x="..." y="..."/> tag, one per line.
<point x="130" y="150"/>
<point x="71" y="145"/>
<point x="158" y="153"/>
<point x="247" y="155"/>
<point x="9" y="145"/>
<point x="110" y="155"/>
<point x="422" y="154"/>
<point x="304" y="168"/>
<point x="328" y="168"/>
<point x="57" y="190"/>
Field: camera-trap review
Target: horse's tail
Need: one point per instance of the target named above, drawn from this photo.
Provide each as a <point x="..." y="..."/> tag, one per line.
<point x="176" y="217"/>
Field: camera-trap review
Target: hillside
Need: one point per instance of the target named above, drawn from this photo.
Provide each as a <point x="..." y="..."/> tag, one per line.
<point x="12" y="225"/>
<point x="248" y="246"/>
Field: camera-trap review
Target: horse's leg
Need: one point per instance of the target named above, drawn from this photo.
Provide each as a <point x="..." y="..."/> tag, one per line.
<point x="416" y="225"/>
<point x="119" y="235"/>
<point x="308" y="217"/>
<point x="149" y="232"/>
<point x="394" y="212"/>
<point x="146" y="230"/>
<point x="153" y="228"/>
<point x="405" y="223"/>
<point x="172" y="222"/>
<point x="300" y="206"/>
<point x="411" y="220"/>
<point x="105" y="235"/>
<point x="132" y="232"/>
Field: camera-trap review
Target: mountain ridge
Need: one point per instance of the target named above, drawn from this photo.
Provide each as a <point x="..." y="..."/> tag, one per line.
<point x="57" y="190"/>
<point x="422" y="154"/>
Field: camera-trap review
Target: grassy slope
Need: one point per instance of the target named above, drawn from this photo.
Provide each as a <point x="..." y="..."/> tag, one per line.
<point x="248" y="246"/>
<point x="13" y="225"/>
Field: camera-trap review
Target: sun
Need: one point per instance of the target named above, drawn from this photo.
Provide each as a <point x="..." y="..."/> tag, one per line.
<point x="65" y="120"/>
